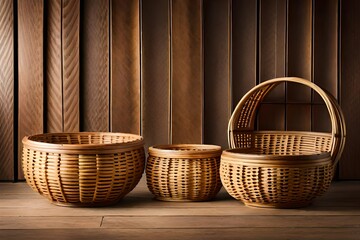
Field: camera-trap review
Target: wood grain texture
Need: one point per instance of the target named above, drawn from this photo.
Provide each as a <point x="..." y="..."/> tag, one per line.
<point x="138" y="216"/>
<point x="30" y="45"/>
<point x="244" y="47"/>
<point x="271" y="117"/>
<point x="325" y="59"/>
<point x="187" y="71"/>
<point x="298" y="117"/>
<point x="49" y="222"/>
<point x="54" y="84"/>
<point x="94" y="47"/>
<point x="208" y="222"/>
<point x="6" y="90"/>
<point x="217" y="100"/>
<point x="350" y="87"/>
<point x="155" y="64"/>
<point x="299" y="48"/>
<point x="70" y="61"/>
<point x="329" y="233"/>
<point x="320" y="119"/>
<point x="272" y="42"/>
<point x="125" y="66"/>
<point x="325" y="40"/>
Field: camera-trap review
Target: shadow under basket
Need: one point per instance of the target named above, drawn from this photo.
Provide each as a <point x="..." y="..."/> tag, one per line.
<point x="282" y="169"/>
<point x="184" y="172"/>
<point x="83" y="169"/>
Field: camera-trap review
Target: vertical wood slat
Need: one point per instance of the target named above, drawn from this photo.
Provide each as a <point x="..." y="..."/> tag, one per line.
<point x="155" y="72"/>
<point x="216" y="71"/>
<point x="325" y="46"/>
<point x="299" y="58"/>
<point x="125" y="66"/>
<point x="325" y="70"/>
<point x="71" y="67"/>
<point x="244" y="47"/>
<point x="187" y="68"/>
<point x="271" y="117"/>
<point x="298" y="117"/>
<point x="272" y="64"/>
<point x="272" y="45"/>
<point x="350" y="99"/>
<point x="30" y="44"/>
<point x="320" y="118"/>
<point x="6" y="90"/>
<point x="94" y="50"/>
<point x="54" y="99"/>
<point x="299" y="48"/>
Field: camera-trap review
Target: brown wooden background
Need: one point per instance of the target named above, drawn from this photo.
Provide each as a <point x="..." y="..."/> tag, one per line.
<point x="173" y="70"/>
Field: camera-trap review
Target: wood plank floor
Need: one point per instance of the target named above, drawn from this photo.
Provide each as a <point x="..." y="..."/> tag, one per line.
<point x="26" y="215"/>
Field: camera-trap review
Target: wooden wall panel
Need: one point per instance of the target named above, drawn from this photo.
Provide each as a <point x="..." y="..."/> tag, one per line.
<point x="216" y="71"/>
<point x="299" y="48"/>
<point x="298" y="117"/>
<point x="30" y="44"/>
<point x="94" y="73"/>
<point x="325" y="60"/>
<point x="272" y="41"/>
<point x="125" y="66"/>
<point x="271" y="117"/>
<point x="320" y="119"/>
<point x="244" y="47"/>
<point x="350" y="87"/>
<point x="187" y="71"/>
<point x="71" y="64"/>
<point x="155" y="71"/>
<point x="173" y="70"/>
<point x="54" y="84"/>
<point x="6" y="90"/>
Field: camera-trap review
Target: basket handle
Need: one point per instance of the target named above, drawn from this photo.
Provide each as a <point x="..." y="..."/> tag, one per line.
<point x="247" y="106"/>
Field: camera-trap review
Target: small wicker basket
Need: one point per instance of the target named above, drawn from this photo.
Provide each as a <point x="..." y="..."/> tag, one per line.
<point x="281" y="169"/>
<point x="83" y="169"/>
<point x="184" y="172"/>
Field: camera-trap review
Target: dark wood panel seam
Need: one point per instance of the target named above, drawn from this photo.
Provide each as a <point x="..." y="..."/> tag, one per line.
<point x="171" y="71"/>
<point x="230" y="39"/>
<point x="141" y="75"/>
<point x="110" y="65"/>
<point x="62" y="69"/>
<point x="286" y="59"/>
<point x="16" y="90"/>
<point x="339" y="79"/>
<point x="45" y="56"/>
<point x="312" y="57"/>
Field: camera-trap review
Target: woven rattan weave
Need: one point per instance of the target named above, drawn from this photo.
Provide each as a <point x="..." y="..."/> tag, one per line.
<point x="281" y="169"/>
<point x="83" y="169"/>
<point x="184" y="172"/>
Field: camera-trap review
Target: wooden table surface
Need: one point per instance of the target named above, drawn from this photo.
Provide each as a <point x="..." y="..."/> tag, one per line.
<point x="25" y="214"/>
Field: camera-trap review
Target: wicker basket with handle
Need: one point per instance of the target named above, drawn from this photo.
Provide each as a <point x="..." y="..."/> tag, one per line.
<point x="184" y="172"/>
<point x="83" y="169"/>
<point x="282" y="169"/>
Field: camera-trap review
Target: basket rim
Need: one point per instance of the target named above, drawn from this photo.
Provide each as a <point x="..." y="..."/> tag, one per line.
<point x="91" y="148"/>
<point x="249" y="154"/>
<point x="183" y="151"/>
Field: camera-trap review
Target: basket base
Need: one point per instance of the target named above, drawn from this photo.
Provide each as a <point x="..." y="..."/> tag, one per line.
<point x="90" y="204"/>
<point x="182" y="199"/>
<point x="278" y="205"/>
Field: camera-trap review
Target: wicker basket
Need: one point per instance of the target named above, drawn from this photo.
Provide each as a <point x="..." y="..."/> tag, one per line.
<point x="184" y="172"/>
<point x="83" y="169"/>
<point x="282" y="169"/>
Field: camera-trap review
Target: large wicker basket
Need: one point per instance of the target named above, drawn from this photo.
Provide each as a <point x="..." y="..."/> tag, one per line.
<point x="282" y="169"/>
<point x="83" y="169"/>
<point x="184" y="172"/>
